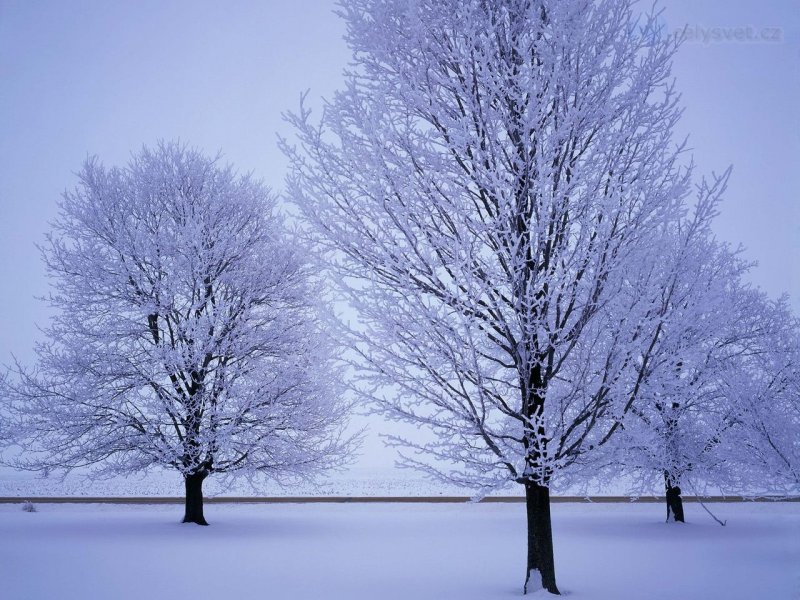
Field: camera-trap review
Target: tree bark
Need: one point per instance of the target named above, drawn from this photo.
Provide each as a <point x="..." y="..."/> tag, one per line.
<point x="194" y="499"/>
<point x="674" y="501"/>
<point x="540" y="537"/>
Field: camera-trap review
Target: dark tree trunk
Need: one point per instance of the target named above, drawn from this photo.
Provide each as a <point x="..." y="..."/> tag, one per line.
<point x="674" y="501"/>
<point x="194" y="499"/>
<point x="540" y="537"/>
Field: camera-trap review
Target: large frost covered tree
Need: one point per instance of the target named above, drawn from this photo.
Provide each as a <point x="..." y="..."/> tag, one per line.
<point x="496" y="188"/>
<point x="186" y="333"/>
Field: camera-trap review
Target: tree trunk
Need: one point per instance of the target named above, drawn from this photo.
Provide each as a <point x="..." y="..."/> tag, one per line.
<point x="194" y="499"/>
<point x="674" y="501"/>
<point x="540" y="537"/>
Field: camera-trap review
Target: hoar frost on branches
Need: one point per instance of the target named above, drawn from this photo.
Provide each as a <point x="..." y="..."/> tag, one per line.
<point x="499" y="193"/>
<point x="186" y="334"/>
<point x="727" y="359"/>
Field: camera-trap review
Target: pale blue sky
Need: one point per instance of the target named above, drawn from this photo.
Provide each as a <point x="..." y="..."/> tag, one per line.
<point x="100" y="77"/>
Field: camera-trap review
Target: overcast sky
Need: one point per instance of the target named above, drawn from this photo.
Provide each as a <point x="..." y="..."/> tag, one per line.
<point x="102" y="77"/>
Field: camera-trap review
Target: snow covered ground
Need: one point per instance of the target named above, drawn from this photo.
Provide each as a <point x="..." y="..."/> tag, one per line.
<point x="394" y="551"/>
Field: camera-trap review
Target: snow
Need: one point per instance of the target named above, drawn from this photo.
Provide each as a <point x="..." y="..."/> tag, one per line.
<point x="395" y="551"/>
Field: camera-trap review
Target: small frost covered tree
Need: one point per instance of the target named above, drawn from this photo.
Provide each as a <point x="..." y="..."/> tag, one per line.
<point x="185" y="336"/>
<point x="496" y="188"/>
<point x="764" y="391"/>
<point x="723" y="360"/>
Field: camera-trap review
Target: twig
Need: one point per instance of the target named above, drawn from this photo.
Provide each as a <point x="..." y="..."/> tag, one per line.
<point x="696" y="495"/>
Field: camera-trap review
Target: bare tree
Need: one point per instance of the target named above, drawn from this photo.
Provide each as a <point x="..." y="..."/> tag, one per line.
<point x="186" y="333"/>
<point x="497" y="187"/>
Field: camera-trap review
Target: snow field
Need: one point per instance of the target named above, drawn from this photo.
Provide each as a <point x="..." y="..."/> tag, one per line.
<point x="394" y="551"/>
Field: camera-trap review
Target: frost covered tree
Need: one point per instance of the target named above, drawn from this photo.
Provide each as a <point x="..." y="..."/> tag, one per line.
<point x="186" y="333"/>
<point x="496" y="187"/>
<point x="763" y="388"/>
<point x="723" y="355"/>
